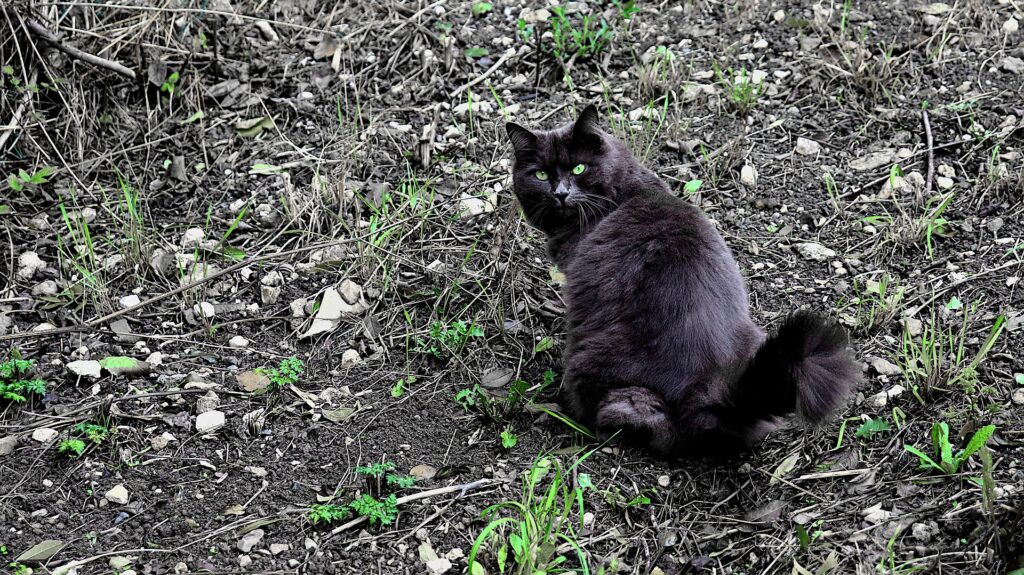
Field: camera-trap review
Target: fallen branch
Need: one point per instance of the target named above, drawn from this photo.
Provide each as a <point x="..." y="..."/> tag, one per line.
<point x="16" y="120"/>
<point x="483" y="76"/>
<point x="49" y="37"/>
<point x="931" y="153"/>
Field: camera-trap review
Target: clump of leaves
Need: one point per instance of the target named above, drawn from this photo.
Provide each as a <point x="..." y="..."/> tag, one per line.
<point x="93" y="432"/>
<point x="15" y="383"/>
<point x="508" y="438"/>
<point x="740" y="88"/>
<point x="327" y="513"/>
<point x="449" y="339"/>
<point x="71" y="447"/>
<point x="286" y="373"/>
<point x="582" y="37"/>
<point x="871" y="427"/>
<point x="378" y="511"/>
<point x="947" y="462"/>
<point x="382" y="471"/>
<point x="23" y="180"/>
<point x="376" y="470"/>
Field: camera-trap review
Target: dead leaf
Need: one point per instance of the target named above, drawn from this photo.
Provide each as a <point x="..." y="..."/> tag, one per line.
<point x="41" y="551"/>
<point x="423" y="471"/>
<point x="252" y="127"/>
<point x="339" y="415"/>
<point x="252" y="381"/>
<point x="234" y="510"/>
<point x="784" y="468"/>
<point x="767" y="513"/>
<point x="496" y="378"/>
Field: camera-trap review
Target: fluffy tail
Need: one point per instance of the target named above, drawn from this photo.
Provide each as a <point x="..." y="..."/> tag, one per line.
<point x="803" y="368"/>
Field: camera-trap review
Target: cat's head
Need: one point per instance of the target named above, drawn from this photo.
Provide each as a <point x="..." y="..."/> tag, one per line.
<point x="564" y="177"/>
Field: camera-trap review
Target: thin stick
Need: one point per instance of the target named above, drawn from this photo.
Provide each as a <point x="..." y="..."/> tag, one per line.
<point x="49" y="37"/>
<point x="483" y="76"/>
<point x="931" y="153"/>
<point x="463" y="489"/>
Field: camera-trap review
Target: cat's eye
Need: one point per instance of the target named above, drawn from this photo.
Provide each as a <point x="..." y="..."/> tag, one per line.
<point x="579" y="169"/>
<point x="541" y="175"/>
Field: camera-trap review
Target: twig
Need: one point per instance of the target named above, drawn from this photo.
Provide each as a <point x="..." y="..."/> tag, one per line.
<point x="483" y="76"/>
<point x="16" y="120"/>
<point x="931" y="153"/>
<point x="49" y="37"/>
<point x="462" y="489"/>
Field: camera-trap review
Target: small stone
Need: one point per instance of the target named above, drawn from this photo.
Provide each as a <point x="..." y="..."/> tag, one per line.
<point x="279" y="548"/>
<point x="207" y="403"/>
<point x="748" y="175"/>
<point x="350" y="291"/>
<point x="48" y="287"/>
<point x="180" y="567"/>
<point x="119" y="562"/>
<point x="439" y="565"/>
<point x="238" y="342"/>
<point x="128" y="301"/>
<point x="914" y="326"/>
<point x="209" y="421"/>
<point x="943" y="182"/>
<point x="250" y="540"/>
<point x="192" y="237"/>
<point x="664" y="480"/>
<point x="293" y="563"/>
<point x="815" y="251"/>
<point x="1011" y="26"/>
<point x="204" y="309"/>
<point x="309" y="544"/>
<point x="45" y="434"/>
<point x="806" y="147"/>
<point x="269" y="294"/>
<point x="921" y="532"/>
<point x="158" y="442"/>
<point x="1012" y="64"/>
<point x="350" y="358"/>
<point x="257" y="471"/>
<point x="426" y="551"/>
<point x="28" y="264"/>
<point x="155" y="358"/>
<point x="875" y="514"/>
<point x="7" y="444"/>
<point x="85" y="368"/>
<point x="1018" y="396"/>
<point x="244" y="561"/>
<point x="471" y="206"/>
<point x="885" y="367"/>
<point x="455" y="554"/>
<point x="117" y="495"/>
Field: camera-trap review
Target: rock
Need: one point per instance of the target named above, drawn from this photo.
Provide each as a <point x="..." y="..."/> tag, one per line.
<point x="426" y="551"/>
<point x="209" y="421"/>
<point x="257" y="471"/>
<point x="332" y="307"/>
<point x="1018" y="396"/>
<point x="85" y="368"/>
<point x="192" y="237"/>
<point x="180" y="567"/>
<point x="238" y="342"/>
<point x="922" y="532"/>
<point x="455" y="554"/>
<point x="45" y="434"/>
<point x="117" y="495"/>
<point x="423" y="471"/>
<point x="664" y="480"/>
<point x="269" y="294"/>
<point x="1010" y="26"/>
<point x="815" y="251"/>
<point x="267" y="31"/>
<point x="119" y="562"/>
<point x="158" y="442"/>
<point x="47" y="287"/>
<point x="480" y="109"/>
<point x="350" y="291"/>
<point x="806" y="147"/>
<point x="471" y="206"/>
<point x="885" y="367"/>
<point x="207" y="403"/>
<point x="244" y="561"/>
<point x="1012" y="64"/>
<point x="748" y="175"/>
<point x="155" y="358"/>
<point x="873" y="160"/>
<point x="350" y="358"/>
<point x="875" y="514"/>
<point x="205" y="309"/>
<point x="7" y="444"/>
<point x="279" y="548"/>
<point x="943" y="182"/>
<point x="252" y="381"/>
<point x="128" y="301"/>
<point x="28" y="264"/>
<point x="249" y="540"/>
<point x="881" y="399"/>
<point x="439" y="565"/>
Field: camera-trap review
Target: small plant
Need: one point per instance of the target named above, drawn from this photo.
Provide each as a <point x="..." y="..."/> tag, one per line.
<point x="871" y="427"/>
<point x="93" y="432"/>
<point x="806" y="538"/>
<point x="627" y="9"/>
<point x="934" y="225"/>
<point x="23" y="180"/>
<point x="19" y="568"/>
<point x="740" y="88"/>
<point x="588" y="37"/>
<point x="286" y="373"/>
<point x="398" y="389"/>
<point x="170" y="84"/>
<point x="877" y="304"/>
<point x="948" y="463"/>
<point x="449" y="339"/>
<point x="482" y="8"/>
<point x="15" y="383"/>
<point x="71" y="447"/>
<point x="508" y="438"/>
<point x="540" y="533"/>
<point x="376" y="470"/>
<point x="327" y="513"/>
<point x="378" y="511"/>
<point x="400" y="481"/>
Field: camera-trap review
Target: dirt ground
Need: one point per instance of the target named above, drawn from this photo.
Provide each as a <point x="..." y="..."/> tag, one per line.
<point x="330" y="181"/>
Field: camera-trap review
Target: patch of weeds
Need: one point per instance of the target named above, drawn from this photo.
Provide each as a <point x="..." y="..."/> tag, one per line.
<point x="19" y="568"/>
<point x="482" y="8"/>
<point x="623" y="502"/>
<point x="25" y="181"/>
<point x="378" y="511"/>
<point x="400" y="481"/>
<point x="579" y="37"/>
<point x="399" y="387"/>
<point x="508" y="438"/>
<point x="871" y="427"/>
<point x="170" y="84"/>
<point x="71" y="447"/>
<point x="658" y="72"/>
<point x="933" y="224"/>
<point x="16" y="384"/>
<point x="323" y="513"/>
<point x="807" y="538"/>
<point x="938" y="356"/>
<point x="286" y="373"/>
<point x="448" y="340"/>
<point x="943" y="459"/>
<point x="876" y="304"/>
<point x="382" y="471"/>
<point x="539" y="533"/>
<point x="740" y="88"/>
<point x="626" y="9"/>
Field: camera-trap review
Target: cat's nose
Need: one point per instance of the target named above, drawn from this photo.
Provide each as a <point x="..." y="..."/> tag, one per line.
<point x="561" y="194"/>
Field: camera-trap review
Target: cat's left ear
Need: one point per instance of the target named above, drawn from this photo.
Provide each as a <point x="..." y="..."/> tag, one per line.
<point x="523" y="140"/>
<point x="586" y="127"/>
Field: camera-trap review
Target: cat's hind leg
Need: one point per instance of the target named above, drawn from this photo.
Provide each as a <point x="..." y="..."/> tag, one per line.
<point x="637" y="416"/>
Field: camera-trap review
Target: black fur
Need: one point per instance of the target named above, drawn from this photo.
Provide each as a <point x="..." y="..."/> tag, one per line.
<point x="662" y="349"/>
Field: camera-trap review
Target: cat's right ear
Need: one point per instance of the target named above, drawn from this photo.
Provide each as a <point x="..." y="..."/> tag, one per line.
<point x="523" y="141"/>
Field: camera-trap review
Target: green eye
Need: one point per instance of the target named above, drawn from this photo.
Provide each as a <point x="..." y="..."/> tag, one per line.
<point x="541" y="175"/>
<point x="579" y="169"/>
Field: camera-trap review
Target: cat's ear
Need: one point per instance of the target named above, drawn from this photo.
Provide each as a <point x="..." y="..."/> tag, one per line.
<point x="586" y="124"/>
<point x="523" y="140"/>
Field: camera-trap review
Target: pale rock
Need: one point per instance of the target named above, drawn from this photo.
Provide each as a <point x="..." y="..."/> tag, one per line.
<point x="209" y="421"/>
<point x="85" y="368"/>
<point x="244" y="561"/>
<point x="875" y="514"/>
<point x="1011" y="26"/>
<point x="748" y="175"/>
<point x="1018" y="396"/>
<point x="439" y="565"/>
<point x="297" y="307"/>
<point x="664" y="480"/>
<point x="45" y="326"/>
<point x="481" y="109"/>
<point x="779" y="16"/>
<point x="279" y="548"/>
<point x="28" y="264"/>
<point x="269" y="294"/>
<point x="943" y="182"/>
<point x="885" y="367"/>
<point x="471" y="206"/>
<point x="455" y="554"/>
<point x="45" y="434"/>
<point x="815" y="251"/>
<point x="207" y="403"/>
<point x="48" y="287"/>
<point x="332" y="307"/>
<point x="873" y="160"/>
<point x="351" y="292"/>
<point x="238" y="342"/>
<point x="806" y="147"/>
<point x="192" y="237"/>
<point x="249" y="540"/>
<point x="923" y="533"/>
<point x="350" y="358"/>
<point x="7" y="444"/>
<point x="128" y="301"/>
<point x="255" y="470"/>
<point x="272" y="278"/>
<point x="119" y="562"/>
<point x="914" y="326"/>
<point x="204" y="309"/>
<point x="535" y="16"/>
<point x="1012" y="64"/>
<point x="155" y="358"/>
<point x="426" y="550"/>
<point x="158" y="442"/>
<point x="118" y="495"/>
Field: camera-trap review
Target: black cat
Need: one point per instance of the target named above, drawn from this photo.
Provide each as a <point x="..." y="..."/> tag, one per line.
<point x="661" y="346"/>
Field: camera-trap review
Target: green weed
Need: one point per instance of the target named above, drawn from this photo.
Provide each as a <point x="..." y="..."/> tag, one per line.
<point x="25" y="181"/>
<point x="508" y="438"/>
<point x="378" y="511"/>
<point x="877" y="303"/>
<point x="577" y="37"/>
<point x="739" y="87"/>
<point x="327" y="513"/>
<point x="15" y="382"/>
<point x="943" y="458"/>
<point x="448" y="340"/>
<point x="286" y="373"/>
<point x="71" y="447"/>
